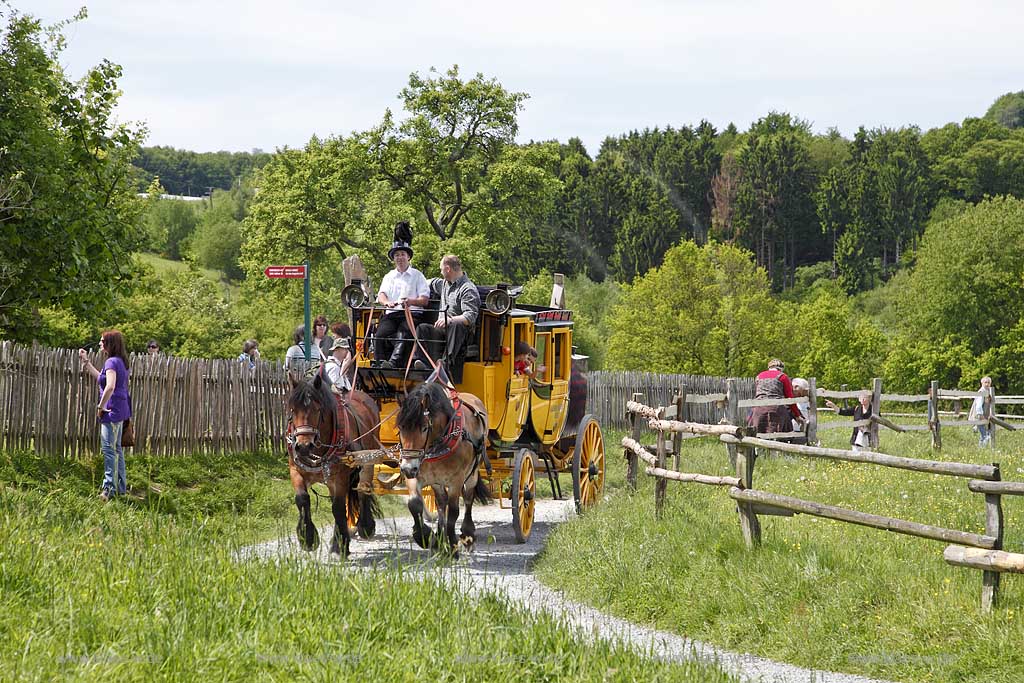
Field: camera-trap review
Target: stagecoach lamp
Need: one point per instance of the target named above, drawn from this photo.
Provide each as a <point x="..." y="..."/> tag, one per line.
<point x="353" y="296"/>
<point x="498" y="302"/>
<point x="505" y="350"/>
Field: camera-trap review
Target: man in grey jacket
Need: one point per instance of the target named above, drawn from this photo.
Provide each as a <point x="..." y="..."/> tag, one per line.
<point x="460" y="307"/>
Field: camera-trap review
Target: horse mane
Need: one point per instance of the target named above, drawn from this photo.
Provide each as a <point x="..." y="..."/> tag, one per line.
<point x="411" y="415"/>
<point x="306" y="392"/>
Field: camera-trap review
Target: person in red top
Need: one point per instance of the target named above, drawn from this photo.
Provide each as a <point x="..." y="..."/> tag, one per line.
<point x="773" y="383"/>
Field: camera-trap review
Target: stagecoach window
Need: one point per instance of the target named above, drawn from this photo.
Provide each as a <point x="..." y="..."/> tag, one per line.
<point x="542" y="355"/>
<point x="490" y="339"/>
<point x="559" y="355"/>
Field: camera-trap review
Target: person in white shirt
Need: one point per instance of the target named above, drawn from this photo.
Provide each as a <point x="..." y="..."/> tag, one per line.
<point x="339" y="364"/>
<point x="402" y="288"/>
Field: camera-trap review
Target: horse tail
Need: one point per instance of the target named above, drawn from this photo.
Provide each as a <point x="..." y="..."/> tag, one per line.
<point x="353" y="490"/>
<point x="482" y="492"/>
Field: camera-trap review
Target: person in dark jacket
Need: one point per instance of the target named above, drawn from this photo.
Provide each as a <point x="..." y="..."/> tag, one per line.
<point x="774" y="383"/>
<point x="860" y="439"/>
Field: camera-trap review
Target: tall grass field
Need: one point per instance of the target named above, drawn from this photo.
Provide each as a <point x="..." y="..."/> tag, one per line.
<point x="817" y="593"/>
<point x="148" y="588"/>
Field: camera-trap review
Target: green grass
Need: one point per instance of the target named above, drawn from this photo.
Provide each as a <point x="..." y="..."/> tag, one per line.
<point x="148" y="588"/>
<point x="817" y="593"/>
<point x="162" y="265"/>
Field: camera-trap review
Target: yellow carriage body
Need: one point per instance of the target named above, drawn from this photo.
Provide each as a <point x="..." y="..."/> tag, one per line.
<point x="527" y="416"/>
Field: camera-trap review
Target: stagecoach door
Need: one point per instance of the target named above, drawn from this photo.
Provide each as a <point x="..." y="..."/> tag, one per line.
<point x="550" y="400"/>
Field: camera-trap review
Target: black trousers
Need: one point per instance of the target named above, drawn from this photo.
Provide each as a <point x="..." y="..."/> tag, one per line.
<point x="441" y="341"/>
<point x="392" y="337"/>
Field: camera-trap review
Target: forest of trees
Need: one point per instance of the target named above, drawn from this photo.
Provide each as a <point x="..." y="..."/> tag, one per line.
<point x="894" y="250"/>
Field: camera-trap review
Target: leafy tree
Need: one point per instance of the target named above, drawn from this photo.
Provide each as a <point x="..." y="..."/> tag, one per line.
<point x="169" y="224"/>
<point x="318" y="203"/>
<point x="68" y="220"/>
<point x="703" y="310"/>
<point x="217" y="240"/>
<point x="774" y="205"/>
<point x="967" y="283"/>
<point x="454" y="158"/>
<point x="825" y="338"/>
<point x="195" y="174"/>
<point x="1008" y="110"/>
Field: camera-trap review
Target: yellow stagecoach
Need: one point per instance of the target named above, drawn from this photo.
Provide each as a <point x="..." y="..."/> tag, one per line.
<point x="537" y="424"/>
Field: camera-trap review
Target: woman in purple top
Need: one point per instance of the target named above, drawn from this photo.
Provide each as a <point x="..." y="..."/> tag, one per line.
<point x="113" y="409"/>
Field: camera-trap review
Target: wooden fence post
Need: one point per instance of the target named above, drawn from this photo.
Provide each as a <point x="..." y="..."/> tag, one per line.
<point x="732" y="414"/>
<point x="677" y="437"/>
<point x="812" y="411"/>
<point x="993" y="527"/>
<point x="660" y="483"/>
<point x="933" y="415"/>
<point x="631" y="459"/>
<point x="876" y="407"/>
<point x="749" y="524"/>
<point x="842" y="404"/>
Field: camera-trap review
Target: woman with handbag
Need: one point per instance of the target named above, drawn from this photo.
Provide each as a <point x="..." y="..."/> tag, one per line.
<point x="113" y="409"/>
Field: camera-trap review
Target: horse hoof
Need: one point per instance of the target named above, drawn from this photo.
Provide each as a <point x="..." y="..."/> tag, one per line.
<point x="308" y="541"/>
<point x="424" y="539"/>
<point x="467" y="542"/>
<point x="367" y="530"/>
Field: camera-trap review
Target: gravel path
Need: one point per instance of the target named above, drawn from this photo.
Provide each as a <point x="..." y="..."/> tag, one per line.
<point x="500" y="565"/>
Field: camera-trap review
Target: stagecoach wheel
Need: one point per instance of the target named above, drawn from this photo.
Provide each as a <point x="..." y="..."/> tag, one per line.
<point x="588" y="464"/>
<point x="524" y="491"/>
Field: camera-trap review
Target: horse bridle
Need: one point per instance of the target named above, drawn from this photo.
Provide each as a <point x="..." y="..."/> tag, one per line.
<point x="437" y="448"/>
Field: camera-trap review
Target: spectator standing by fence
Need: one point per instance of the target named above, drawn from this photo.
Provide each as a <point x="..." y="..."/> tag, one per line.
<point x="321" y="339"/>
<point x="861" y="437"/>
<point x="774" y="383"/>
<point x="978" y="412"/>
<point x="153" y="347"/>
<point x="250" y="353"/>
<point x="113" y="409"/>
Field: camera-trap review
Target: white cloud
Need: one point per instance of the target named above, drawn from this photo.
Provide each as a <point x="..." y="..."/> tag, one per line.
<point x="237" y="75"/>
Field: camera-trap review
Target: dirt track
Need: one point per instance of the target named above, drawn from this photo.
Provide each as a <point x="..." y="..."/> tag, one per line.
<point x="500" y="565"/>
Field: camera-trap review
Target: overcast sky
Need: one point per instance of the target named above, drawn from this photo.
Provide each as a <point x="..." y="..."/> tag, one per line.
<point x="208" y="75"/>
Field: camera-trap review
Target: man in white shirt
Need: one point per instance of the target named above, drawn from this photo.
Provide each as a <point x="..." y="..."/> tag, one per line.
<point x="402" y="288"/>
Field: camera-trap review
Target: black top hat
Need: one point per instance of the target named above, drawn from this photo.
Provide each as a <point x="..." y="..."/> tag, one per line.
<point x="403" y="239"/>
<point x="399" y="246"/>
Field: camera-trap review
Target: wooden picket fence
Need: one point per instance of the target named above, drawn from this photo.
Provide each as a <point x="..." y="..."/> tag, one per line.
<point x="606" y="389"/>
<point x="966" y="549"/>
<point x="180" y="405"/>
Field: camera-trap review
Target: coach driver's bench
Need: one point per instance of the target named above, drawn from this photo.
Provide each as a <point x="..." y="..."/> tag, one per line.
<point x="485" y="333"/>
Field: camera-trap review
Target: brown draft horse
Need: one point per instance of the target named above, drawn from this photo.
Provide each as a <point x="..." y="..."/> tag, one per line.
<point x="443" y="442"/>
<point x="321" y="429"/>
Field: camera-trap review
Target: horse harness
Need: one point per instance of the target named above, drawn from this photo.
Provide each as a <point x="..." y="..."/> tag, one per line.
<point x="446" y="443"/>
<point x="312" y="463"/>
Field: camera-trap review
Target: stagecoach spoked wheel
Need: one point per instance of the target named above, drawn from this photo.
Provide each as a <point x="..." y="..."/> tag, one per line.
<point x="588" y="464"/>
<point x="524" y="489"/>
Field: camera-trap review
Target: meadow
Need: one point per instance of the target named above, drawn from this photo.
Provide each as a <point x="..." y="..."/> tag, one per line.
<point x="148" y="587"/>
<point x="817" y="593"/>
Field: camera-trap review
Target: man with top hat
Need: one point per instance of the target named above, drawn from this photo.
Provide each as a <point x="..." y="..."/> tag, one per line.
<point x="402" y="288"/>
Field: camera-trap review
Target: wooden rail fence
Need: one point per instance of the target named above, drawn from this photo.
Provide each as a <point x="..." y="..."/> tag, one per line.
<point x="180" y="405"/>
<point x="965" y="549"/>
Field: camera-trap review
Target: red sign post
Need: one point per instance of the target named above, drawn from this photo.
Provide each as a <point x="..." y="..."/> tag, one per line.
<point x="295" y="272"/>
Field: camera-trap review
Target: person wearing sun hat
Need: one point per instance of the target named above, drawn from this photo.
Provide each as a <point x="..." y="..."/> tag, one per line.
<point x="773" y="383"/>
<point x="402" y="288"/>
<point x="338" y="364"/>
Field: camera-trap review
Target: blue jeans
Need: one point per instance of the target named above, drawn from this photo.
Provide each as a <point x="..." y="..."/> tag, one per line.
<point x="114" y="475"/>
<point x="984" y="435"/>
